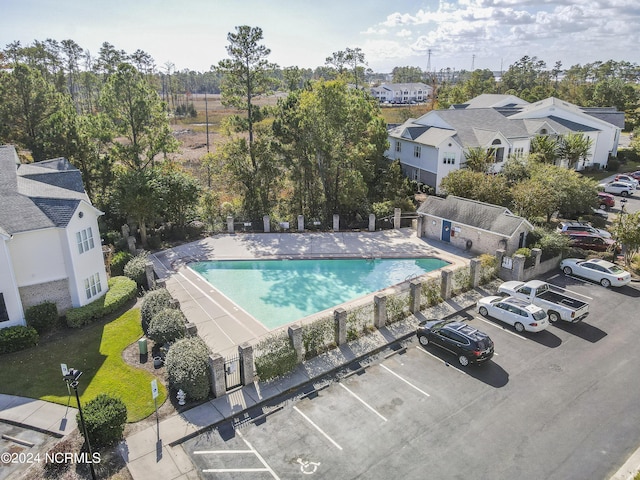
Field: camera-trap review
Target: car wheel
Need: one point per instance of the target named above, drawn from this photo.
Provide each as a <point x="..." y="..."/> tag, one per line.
<point x="464" y="361"/>
<point x="624" y="193"/>
<point x="554" y="317"/>
<point x="424" y="340"/>
<point x="484" y="312"/>
<point x="519" y="327"/>
<point x="567" y="270"/>
<point x="603" y="207"/>
<point x="605" y="282"/>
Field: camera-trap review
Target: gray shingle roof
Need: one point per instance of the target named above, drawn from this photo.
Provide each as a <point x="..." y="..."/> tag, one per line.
<point x="37" y="196"/>
<point x="492" y="218"/>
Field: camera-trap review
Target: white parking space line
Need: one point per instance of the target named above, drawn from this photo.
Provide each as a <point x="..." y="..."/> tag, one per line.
<point x="440" y="360"/>
<point x="505" y="330"/>
<point x="363" y="402"/>
<point x="251" y="450"/>
<point x="318" y="428"/>
<point x="267" y="467"/>
<point x="405" y="381"/>
<point x="218" y="452"/>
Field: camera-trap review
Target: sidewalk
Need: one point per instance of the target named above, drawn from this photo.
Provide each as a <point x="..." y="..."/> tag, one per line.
<point x="47" y="417"/>
<point x="150" y="454"/>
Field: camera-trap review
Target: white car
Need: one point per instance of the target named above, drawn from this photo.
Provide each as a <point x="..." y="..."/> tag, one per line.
<point x="619" y="188"/>
<point x="627" y="179"/>
<point x="605" y="273"/>
<point x="518" y="313"/>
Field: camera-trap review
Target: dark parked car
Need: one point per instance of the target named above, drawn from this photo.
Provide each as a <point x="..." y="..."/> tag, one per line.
<point x="589" y="241"/>
<point x="465" y="342"/>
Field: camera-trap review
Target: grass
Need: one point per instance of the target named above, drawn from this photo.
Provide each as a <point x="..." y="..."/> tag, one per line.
<point x="96" y="350"/>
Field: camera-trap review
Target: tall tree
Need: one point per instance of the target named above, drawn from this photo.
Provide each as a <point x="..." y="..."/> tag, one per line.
<point x="545" y="147"/>
<point x="138" y="116"/>
<point x="574" y="147"/>
<point x="333" y="137"/>
<point x="407" y="74"/>
<point x="247" y="74"/>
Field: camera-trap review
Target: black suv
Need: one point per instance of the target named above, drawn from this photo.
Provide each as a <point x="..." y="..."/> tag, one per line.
<point x="467" y="343"/>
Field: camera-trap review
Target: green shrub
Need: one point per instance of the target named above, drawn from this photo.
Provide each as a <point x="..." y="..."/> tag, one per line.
<point x="104" y="418"/>
<point x="397" y="307"/>
<point x="118" y="262"/>
<point x="42" y="317"/>
<point x="187" y="363"/>
<point x="318" y="336"/>
<point x="135" y="269"/>
<point x="613" y="165"/>
<point x="488" y="267"/>
<point x="276" y="356"/>
<point x="167" y="325"/>
<point x="121" y="290"/>
<point x="153" y="302"/>
<point x="461" y="281"/>
<point x="17" y="338"/>
<point x="551" y="243"/>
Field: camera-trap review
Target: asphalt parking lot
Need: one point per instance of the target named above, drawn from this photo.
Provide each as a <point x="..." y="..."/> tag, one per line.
<point x="559" y="404"/>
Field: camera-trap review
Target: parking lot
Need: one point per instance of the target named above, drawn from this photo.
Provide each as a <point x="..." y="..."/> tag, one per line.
<point x="558" y="404"/>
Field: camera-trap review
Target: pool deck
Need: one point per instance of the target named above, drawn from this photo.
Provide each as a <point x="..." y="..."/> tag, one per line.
<point x="222" y="324"/>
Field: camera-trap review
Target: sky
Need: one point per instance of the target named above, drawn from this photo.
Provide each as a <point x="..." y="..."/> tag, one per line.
<point x="457" y="34"/>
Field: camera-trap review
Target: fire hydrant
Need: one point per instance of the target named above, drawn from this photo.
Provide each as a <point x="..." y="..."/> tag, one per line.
<point x="181" y="396"/>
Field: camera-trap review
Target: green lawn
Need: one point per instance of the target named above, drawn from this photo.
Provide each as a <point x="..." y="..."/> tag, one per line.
<point x="96" y="350"/>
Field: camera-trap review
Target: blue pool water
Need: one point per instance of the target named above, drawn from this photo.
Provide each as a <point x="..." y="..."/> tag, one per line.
<point x="277" y="292"/>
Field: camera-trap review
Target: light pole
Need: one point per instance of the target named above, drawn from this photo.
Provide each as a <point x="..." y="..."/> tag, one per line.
<point x="71" y="378"/>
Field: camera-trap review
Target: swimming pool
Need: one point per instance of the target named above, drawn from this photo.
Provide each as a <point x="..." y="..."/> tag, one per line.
<point x="278" y="292"/>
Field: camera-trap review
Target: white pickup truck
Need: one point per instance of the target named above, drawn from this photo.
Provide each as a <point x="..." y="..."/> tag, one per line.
<point x="558" y="305"/>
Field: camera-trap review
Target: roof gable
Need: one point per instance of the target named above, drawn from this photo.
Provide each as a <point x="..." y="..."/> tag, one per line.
<point x="492" y="218"/>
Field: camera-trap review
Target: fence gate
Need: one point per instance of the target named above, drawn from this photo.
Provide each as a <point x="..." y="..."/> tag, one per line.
<point x="232" y="372"/>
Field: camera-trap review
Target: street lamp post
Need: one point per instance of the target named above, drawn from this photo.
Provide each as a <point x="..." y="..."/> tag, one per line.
<point x="71" y="378"/>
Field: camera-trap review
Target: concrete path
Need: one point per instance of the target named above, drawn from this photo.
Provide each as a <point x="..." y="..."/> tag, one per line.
<point x="47" y="417"/>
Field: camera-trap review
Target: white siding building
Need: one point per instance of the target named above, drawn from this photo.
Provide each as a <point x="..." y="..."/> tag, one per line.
<point x="429" y="147"/>
<point x="402" y="92"/>
<point x="50" y="247"/>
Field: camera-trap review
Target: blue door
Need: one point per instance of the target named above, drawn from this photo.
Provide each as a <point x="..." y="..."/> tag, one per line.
<point x="446" y="231"/>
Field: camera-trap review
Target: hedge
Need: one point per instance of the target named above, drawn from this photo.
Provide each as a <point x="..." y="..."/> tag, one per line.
<point x="135" y="269"/>
<point x="104" y="418"/>
<point x="167" y="325"/>
<point x="118" y="262"/>
<point x="121" y="290"/>
<point x="17" y="338"/>
<point x="187" y="363"/>
<point x="42" y="317"/>
<point x="153" y="302"/>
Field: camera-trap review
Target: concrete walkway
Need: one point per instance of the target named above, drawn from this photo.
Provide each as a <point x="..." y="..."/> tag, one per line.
<point x="47" y="417"/>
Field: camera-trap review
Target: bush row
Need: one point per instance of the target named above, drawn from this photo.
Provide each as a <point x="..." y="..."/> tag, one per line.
<point x="17" y="338"/>
<point x="121" y="290"/>
<point x="42" y="317"/>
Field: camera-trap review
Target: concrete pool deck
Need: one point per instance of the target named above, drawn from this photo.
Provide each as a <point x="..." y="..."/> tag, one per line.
<point x="221" y="323"/>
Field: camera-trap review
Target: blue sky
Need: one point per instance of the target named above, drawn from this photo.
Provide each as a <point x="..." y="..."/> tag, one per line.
<point x="460" y="33"/>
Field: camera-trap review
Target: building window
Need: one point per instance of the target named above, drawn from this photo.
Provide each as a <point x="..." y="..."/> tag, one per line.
<point x="416" y="151"/>
<point x="398" y="146"/>
<point x="85" y="240"/>
<point x="449" y="159"/>
<point x="518" y="152"/>
<point x="92" y="286"/>
<point x="4" y="315"/>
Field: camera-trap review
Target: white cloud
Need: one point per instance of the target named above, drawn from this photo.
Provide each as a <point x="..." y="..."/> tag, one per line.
<point x="404" y="33"/>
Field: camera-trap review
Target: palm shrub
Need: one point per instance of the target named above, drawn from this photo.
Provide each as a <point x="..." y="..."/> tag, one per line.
<point x="187" y="363"/>
<point x="153" y="302"/>
<point x="167" y="325"/>
<point x="42" y="317"/>
<point x="104" y="418"/>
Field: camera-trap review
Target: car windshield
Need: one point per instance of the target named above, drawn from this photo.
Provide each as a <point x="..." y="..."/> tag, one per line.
<point x="539" y="315"/>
